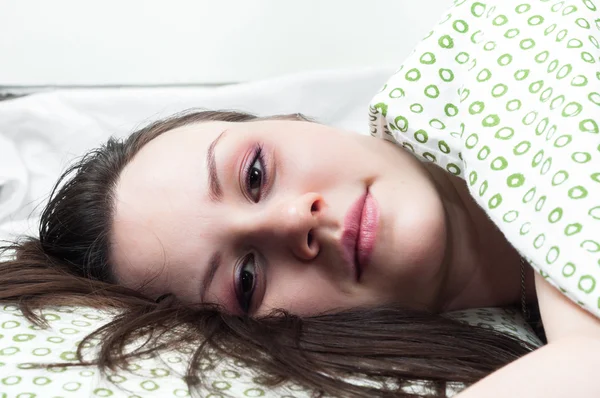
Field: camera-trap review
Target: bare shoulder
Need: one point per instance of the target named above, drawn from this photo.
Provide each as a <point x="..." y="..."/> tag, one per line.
<point x="563" y="318"/>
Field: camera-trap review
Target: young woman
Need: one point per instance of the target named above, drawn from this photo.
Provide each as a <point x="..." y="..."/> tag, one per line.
<point x="319" y="256"/>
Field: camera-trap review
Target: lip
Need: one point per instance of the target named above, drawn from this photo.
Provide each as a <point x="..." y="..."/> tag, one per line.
<point x="360" y="232"/>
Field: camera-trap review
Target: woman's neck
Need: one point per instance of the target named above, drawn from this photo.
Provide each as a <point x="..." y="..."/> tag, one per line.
<point x="482" y="269"/>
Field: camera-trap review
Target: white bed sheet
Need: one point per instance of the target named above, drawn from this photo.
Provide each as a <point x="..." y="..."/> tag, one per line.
<point x="41" y="133"/>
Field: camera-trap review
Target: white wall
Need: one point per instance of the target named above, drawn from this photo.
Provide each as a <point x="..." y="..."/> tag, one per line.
<point x="79" y="42"/>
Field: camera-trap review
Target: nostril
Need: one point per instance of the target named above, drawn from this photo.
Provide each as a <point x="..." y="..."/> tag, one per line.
<point x="309" y="239"/>
<point x="314" y="207"/>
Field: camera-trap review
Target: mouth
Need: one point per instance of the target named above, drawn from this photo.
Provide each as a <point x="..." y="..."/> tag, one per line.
<point x="360" y="233"/>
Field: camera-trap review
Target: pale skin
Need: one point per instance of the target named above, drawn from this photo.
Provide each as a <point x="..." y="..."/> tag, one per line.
<point x="432" y="238"/>
<point x="565" y="367"/>
<point x="435" y="248"/>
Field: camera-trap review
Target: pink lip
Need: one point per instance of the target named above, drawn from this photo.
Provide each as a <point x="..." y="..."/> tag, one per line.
<point x="360" y="232"/>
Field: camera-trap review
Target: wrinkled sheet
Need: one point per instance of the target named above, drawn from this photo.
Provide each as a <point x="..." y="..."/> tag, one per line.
<point x="41" y="134"/>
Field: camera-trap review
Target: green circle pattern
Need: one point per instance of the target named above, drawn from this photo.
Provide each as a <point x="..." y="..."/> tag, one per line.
<point x="151" y="377"/>
<point x="522" y="126"/>
<point x="505" y="93"/>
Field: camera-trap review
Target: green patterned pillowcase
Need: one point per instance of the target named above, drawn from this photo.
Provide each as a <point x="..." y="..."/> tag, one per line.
<point x="23" y="344"/>
<point x="506" y="95"/>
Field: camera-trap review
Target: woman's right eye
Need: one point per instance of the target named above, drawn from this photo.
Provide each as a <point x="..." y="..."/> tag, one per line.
<point x="246" y="282"/>
<point x="255" y="176"/>
<point x="255" y="180"/>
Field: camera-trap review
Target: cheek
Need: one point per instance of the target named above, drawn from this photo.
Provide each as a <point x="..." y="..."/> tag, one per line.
<point x="302" y="292"/>
<point x="412" y="235"/>
<point x="323" y="157"/>
<point x="420" y="229"/>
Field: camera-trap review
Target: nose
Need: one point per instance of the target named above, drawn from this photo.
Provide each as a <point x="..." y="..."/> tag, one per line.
<point x="293" y="223"/>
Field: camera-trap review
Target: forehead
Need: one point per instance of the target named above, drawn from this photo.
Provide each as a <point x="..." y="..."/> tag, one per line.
<point x="154" y="202"/>
<point x="178" y="139"/>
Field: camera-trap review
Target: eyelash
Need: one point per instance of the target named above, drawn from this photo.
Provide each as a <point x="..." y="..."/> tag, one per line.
<point x="245" y="300"/>
<point x="257" y="156"/>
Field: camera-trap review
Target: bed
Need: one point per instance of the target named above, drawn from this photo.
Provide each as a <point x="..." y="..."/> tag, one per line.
<point x="41" y="133"/>
<point x="44" y="125"/>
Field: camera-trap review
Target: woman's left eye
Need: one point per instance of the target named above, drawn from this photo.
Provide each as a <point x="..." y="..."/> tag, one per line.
<point x="255" y="177"/>
<point x="246" y="282"/>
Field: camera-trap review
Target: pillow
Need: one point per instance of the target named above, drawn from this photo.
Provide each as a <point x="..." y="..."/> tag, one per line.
<point x="507" y="96"/>
<point x="23" y="344"/>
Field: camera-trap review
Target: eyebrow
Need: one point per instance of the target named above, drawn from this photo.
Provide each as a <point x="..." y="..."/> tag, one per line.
<point x="209" y="275"/>
<point x="215" y="192"/>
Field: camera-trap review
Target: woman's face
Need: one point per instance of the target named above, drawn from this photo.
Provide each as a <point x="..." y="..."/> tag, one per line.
<point x="278" y="214"/>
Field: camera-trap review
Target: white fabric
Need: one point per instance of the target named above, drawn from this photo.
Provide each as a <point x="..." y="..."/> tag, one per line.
<point x="13" y="178"/>
<point x="22" y="345"/>
<point x="506" y="95"/>
<point x="41" y="133"/>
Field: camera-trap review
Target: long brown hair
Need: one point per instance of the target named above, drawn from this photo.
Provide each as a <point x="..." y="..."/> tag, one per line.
<point x="68" y="265"/>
